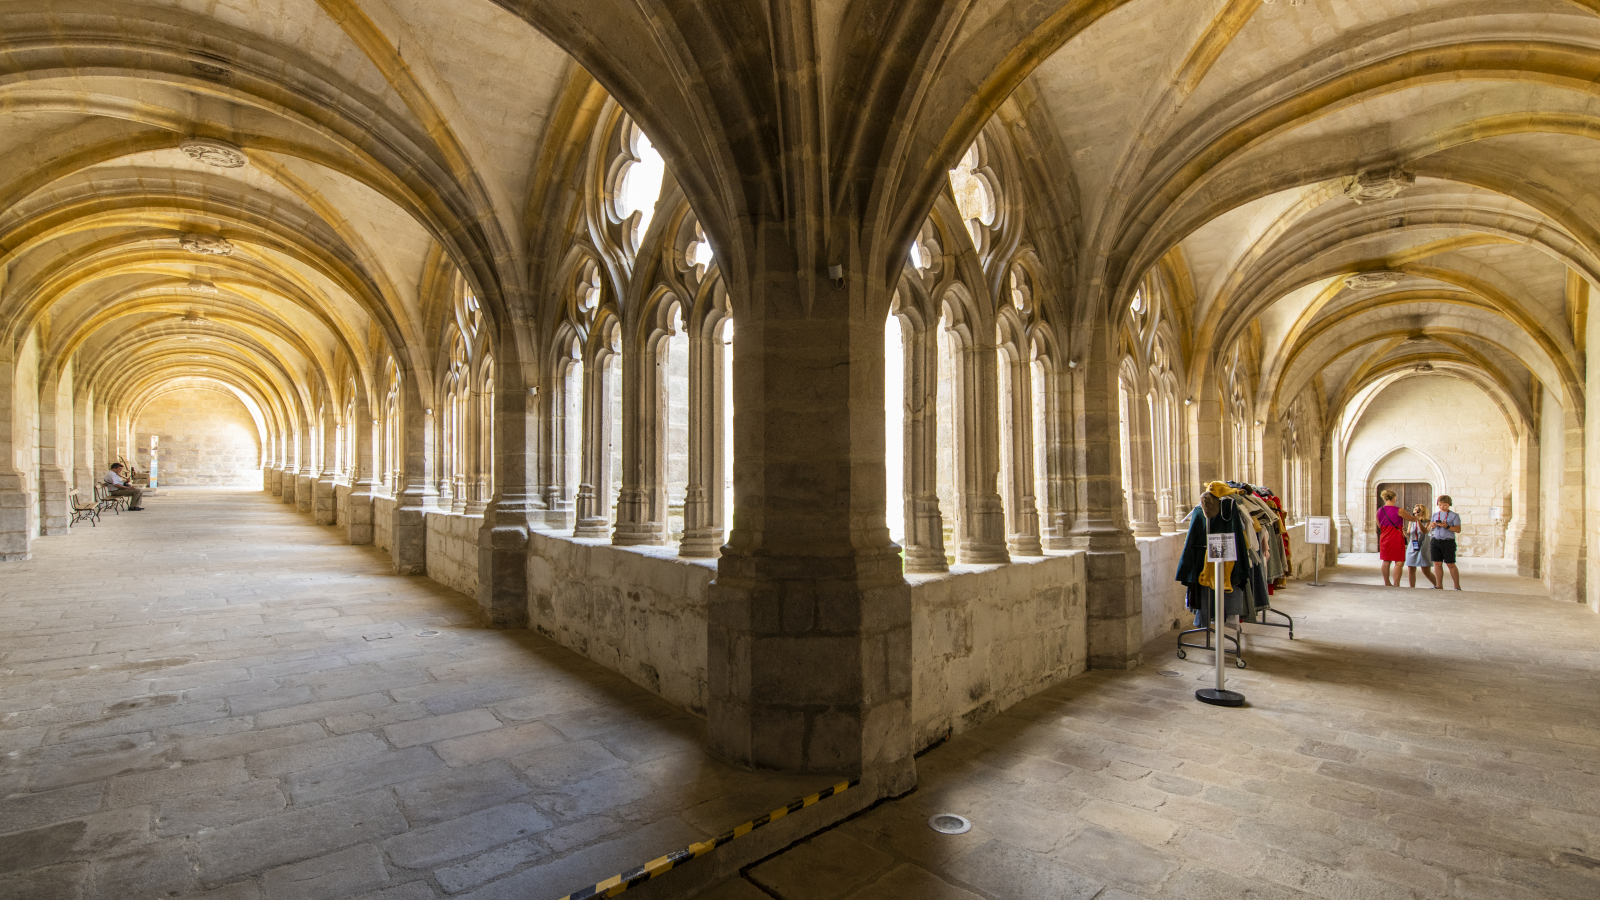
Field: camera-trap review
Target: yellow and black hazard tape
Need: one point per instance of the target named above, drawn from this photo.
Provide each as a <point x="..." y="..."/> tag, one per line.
<point x="634" y="877"/>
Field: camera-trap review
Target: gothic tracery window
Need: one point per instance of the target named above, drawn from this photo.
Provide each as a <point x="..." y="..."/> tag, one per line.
<point x="975" y="195"/>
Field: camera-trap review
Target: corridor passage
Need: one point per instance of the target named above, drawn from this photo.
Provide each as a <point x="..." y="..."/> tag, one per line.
<point x="218" y="698"/>
<point x="1407" y="744"/>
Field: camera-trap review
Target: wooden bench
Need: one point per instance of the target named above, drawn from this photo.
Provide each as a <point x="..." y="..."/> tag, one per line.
<point x="84" y="512"/>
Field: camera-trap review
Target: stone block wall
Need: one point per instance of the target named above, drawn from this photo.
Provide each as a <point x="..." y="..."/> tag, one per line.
<point x="383" y="523"/>
<point x="205" y="437"/>
<point x="986" y="637"/>
<point x="341" y="504"/>
<point x="640" y="611"/>
<point x="453" y="550"/>
<point x="1163" y="595"/>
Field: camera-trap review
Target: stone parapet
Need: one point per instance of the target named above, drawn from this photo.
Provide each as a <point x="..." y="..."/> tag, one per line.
<point x="383" y="523"/>
<point x="1163" y="595"/>
<point x="453" y="550"/>
<point x="640" y="611"/>
<point x="984" y="638"/>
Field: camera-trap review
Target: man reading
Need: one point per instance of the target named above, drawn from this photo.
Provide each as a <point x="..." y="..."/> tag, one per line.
<point x="121" y="488"/>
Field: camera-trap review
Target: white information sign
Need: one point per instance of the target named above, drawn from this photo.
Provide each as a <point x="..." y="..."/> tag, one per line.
<point x="1221" y="548"/>
<point x="1319" y="530"/>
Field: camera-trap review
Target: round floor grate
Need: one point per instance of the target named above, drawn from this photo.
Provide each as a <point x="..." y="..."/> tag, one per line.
<point x="949" y="823"/>
<point x="1170" y="673"/>
<point x="427" y="634"/>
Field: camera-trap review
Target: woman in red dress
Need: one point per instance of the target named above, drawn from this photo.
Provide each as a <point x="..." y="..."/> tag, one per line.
<point x="1391" y="537"/>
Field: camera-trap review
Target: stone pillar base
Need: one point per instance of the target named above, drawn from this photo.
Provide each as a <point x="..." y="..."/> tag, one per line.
<point x="324" y="504"/>
<point x="811" y="675"/>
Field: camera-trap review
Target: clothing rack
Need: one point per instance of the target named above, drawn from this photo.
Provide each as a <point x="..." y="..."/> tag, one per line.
<point x="1248" y="509"/>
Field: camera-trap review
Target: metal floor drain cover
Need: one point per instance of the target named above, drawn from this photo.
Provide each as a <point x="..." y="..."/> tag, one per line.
<point x="1170" y="673"/>
<point x="427" y="634"/>
<point x="949" y="823"/>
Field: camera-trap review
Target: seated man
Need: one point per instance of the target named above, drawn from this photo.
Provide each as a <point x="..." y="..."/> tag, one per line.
<point x="121" y="488"/>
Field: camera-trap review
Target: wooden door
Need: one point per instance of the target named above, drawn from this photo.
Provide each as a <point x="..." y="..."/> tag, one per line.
<point x="1407" y="495"/>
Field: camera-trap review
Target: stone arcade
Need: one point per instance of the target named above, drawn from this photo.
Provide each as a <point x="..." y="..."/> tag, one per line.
<point x="828" y="380"/>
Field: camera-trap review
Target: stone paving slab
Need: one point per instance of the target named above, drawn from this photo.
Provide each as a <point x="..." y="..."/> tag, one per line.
<point x="253" y="715"/>
<point x="1409" y="745"/>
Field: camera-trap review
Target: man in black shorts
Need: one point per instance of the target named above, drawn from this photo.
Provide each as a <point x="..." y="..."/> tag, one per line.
<point x="1446" y="525"/>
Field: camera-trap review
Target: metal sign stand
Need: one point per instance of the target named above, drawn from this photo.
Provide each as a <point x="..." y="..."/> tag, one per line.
<point x="1318" y="530"/>
<point x="1221" y="548"/>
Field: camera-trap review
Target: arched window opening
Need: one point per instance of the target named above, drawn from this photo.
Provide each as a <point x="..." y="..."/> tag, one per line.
<point x="727" y="424"/>
<point x="454" y="427"/>
<point x="698" y="255"/>
<point x="1041" y="444"/>
<point x="673" y="362"/>
<point x="391" y="431"/>
<point x="348" y="462"/>
<point x="571" y="431"/>
<point x="947" y="466"/>
<point x="975" y="196"/>
<point x="484" y="433"/>
<point x="1125" y="416"/>
<point x="640" y="185"/>
<point x="612" y="454"/>
<point x="894" y="424"/>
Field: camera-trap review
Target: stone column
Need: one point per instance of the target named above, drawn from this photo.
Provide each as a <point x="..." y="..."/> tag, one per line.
<point x="54" y="504"/>
<point x="1567" y="573"/>
<point x="324" y="502"/>
<point x="414" y="493"/>
<point x="291" y="465"/>
<point x="982" y="537"/>
<point x="1060" y="492"/>
<point x="16" y="495"/>
<point x="1016" y="425"/>
<point x="102" y="434"/>
<point x="267" y="461"/>
<point x="642" y="502"/>
<point x="1522" y="531"/>
<point x="924" y="539"/>
<point x="703" y="515"/>
<point x="1114" y="588"/>
<point x="594" y="491"/>
<point x="516" y="506"/>
<point x="279" y="459"/>
<point x="363" y="437"/>
<point x="809" y="632"/>
<point x="307" y="476"/>
<point x="480" y="485"/>
<point x="83" y="434"/>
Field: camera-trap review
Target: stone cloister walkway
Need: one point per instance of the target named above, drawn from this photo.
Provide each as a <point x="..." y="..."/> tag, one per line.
<point x="1408" y="744"/>
<point x="218" y="699"/>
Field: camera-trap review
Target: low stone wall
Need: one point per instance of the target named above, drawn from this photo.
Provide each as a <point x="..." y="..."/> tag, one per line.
<point x="453" y="550"/>
<point x="640" y="611"/>
<point x="341" y="504"/>
<point x="383" y="523"/>
<point x="985" y="637"/>
<point x="1163" y="595"/>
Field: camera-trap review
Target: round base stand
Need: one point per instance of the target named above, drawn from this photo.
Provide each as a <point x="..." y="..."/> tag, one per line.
<point x="1219" y="698"/>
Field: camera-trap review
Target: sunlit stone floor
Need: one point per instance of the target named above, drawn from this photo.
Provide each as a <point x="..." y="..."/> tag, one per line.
<point x="1408" y="744"/>
<point x="218" y="699"/>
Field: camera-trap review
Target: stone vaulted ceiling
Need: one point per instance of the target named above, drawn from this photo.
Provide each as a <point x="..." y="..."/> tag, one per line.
<point x="371" y="144"/>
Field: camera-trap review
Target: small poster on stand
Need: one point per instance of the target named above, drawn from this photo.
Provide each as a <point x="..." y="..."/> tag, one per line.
<point x="1221" y="548"/>
<point x="1319" y="530"/>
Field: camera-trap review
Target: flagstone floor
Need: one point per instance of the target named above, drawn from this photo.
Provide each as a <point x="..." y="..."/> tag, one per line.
<point x="216" y="698"/>
<point x="1408" y="744"/>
